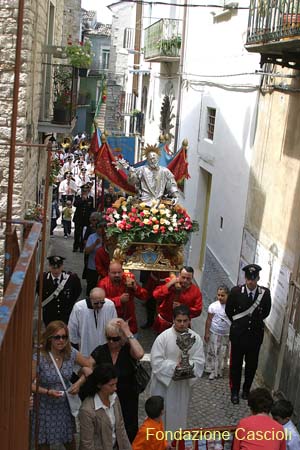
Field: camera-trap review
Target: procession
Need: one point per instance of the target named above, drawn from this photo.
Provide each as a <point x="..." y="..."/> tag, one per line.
<point x="92" y="319"/>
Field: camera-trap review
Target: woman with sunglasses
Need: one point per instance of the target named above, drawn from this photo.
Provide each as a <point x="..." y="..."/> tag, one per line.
<point x="120" y="349"/>
<point x="56" y="423"/>
<point x="100" y="416"/>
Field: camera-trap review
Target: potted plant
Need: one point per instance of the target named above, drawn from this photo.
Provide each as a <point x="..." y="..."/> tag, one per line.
<point x="62" y="95"/>
<point x="80" y="55"/>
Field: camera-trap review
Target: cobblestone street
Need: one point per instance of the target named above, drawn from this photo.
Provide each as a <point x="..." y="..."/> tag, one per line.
<point x="210" y="402"/>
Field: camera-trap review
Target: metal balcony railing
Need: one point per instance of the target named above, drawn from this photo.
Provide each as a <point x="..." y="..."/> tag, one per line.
<point x="59" y="96"/>
<point x="163" y="40"/>
<point x="273" y="20"/>
<point x="16" y="338"/>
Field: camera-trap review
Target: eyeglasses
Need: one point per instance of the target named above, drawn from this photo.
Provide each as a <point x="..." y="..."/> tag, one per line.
<point x="59" y="337"/>
<point x="101" y="302"/>
<point x="113" y="338"/>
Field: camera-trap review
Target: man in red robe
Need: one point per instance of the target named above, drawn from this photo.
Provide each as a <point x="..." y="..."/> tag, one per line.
<point x="121" y="288"/>
<point x="176" y="291"/>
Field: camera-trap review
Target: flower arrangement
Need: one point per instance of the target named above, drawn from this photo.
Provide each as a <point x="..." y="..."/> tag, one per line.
<point x="35" y="212"/>
<point x="62" y="85"/>
<point x="159" y="223"/>
<point x="80" y="55"/>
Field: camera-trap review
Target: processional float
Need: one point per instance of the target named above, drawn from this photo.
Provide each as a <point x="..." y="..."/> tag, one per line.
<point x="148" y="229"/>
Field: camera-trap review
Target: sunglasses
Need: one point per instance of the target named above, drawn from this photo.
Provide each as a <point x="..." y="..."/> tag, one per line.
<point x="113" y="338"/>
<point x="98" y="303"/>
<point x="59" y="337"/>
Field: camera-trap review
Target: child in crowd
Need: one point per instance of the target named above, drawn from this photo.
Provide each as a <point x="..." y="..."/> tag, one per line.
<point x="67" y="213"/>
<point x="146" y="436"/>
<point x="217" y="334"/>
<point x="282" y="411"/>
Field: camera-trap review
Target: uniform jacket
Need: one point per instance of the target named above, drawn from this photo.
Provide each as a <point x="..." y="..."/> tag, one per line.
<point x="84" y="208"/>
<point x="60" y="308"/>
<point x="249" y="327"/>
<point x="96" y="430"/>
<point x="124" y="310"/>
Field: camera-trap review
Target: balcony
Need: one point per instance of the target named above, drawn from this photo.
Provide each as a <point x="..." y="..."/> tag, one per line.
<point x="58" y="99"/>
<point x="163" y="41"/>
<point x="274" y="31"/>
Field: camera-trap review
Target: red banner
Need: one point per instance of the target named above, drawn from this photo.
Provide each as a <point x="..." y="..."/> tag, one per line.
<point x="179" y="166"/>
<point x="105" y="168"/>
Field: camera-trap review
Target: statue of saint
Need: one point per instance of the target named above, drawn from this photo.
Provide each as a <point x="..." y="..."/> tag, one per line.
<point x="151" y="181"/>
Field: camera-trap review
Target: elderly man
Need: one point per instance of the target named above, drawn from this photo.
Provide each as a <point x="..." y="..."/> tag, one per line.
<point x="88" y="319"/>
<point x="153" y="182"/>
<point x="166" y="360"/>
<point x="121" y="288"/>
<point x="247" y="306"/>
<point x="60" y="291"/>
<point x="176" y="291"/>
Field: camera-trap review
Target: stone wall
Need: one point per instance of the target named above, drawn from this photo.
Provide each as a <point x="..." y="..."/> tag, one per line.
<point x="30" y="162"/>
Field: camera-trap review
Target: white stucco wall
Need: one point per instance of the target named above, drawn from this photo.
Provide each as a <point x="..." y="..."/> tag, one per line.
<point x="212" y="50"/>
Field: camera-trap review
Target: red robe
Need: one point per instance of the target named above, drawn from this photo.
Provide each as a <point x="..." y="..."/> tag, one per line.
<point x="165" y="297"/>
<point x="102" y="261"/>
<point x="124" y="310"/>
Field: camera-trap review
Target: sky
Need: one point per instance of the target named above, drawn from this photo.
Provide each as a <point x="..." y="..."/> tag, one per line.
<point x="103" y="13"/>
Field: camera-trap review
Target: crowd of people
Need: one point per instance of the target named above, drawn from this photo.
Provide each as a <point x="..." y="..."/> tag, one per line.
<point x="91" y="347"/>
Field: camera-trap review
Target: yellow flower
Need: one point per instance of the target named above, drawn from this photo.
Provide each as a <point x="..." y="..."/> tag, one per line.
<point x="146" y="212"/>
<point x="142" y="205"/>
<point x="161" y="206"/>
<point x="154" y="210"/>
<point x="162" y="221"/>
<point x="146" y="221"/>
<point x="155" y="227"/>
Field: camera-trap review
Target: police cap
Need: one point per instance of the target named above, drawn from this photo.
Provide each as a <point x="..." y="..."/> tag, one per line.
<point x="252" y="271"/>
<point x="56" y="261"/>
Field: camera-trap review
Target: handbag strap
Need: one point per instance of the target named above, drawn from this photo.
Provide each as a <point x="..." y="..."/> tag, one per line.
<point x="58" y="372"/>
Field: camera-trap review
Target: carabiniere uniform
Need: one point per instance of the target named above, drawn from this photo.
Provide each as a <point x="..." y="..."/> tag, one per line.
<point x="60" y="306"/>
<point x="249" y="326"/>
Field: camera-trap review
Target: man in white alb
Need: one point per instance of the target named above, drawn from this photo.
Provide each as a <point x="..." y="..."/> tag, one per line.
<point x="88" y="319"/>
<point x="165" y="357"/>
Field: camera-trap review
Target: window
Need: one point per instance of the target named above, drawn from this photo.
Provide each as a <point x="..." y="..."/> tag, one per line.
<point x="128" y="40"/>
<point x="211" y="119"/>
<point x="105" y="59"/>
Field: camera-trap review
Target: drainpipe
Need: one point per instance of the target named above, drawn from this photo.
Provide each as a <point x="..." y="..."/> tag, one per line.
<point x="12" y="154"/>
<point x="181" y="65"/>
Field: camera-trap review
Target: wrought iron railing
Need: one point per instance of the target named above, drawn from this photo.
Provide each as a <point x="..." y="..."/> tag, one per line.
<point x="59" y="97"/>
<point x="163" y="39"/>
<point x="272" y="20"/>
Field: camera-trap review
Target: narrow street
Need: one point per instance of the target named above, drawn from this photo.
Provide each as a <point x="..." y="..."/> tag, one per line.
<point x="210" y="404"/>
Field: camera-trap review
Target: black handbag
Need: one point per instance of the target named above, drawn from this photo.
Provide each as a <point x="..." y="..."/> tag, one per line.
<point x="141" y="376"/>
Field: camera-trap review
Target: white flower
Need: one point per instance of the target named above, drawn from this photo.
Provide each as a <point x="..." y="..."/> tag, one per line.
<point x="170" y="228"/>
<point x="117" y="216"/>
<point x="167" y="222"/>
<point x="124" y="208"/>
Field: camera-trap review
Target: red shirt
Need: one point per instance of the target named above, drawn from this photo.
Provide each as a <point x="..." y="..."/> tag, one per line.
<point x="124" y="310"/>
<point x="259" y="432"/>
<point x="191" y="297"/>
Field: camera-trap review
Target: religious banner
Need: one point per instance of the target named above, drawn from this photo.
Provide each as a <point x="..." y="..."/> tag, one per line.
<point x="179" y="165"/>
<point x="104" y="167"/>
